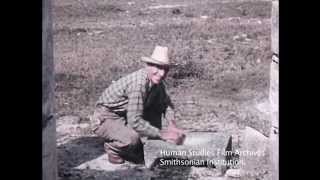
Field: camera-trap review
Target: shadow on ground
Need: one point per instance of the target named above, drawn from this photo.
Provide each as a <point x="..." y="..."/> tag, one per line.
<point x="89" y="150"/>
<point x="80" y="150"/>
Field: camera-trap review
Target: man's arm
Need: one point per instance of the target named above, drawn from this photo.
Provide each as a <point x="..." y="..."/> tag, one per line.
<point x="169" y="110"/>
<point x="168" y="115"/>
<point x="135" y="113"/>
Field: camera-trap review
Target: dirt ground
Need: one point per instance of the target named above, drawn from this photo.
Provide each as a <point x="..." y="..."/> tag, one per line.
<point x="220" y="83"/>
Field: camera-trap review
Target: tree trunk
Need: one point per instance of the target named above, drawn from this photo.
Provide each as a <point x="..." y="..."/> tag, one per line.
<point x="274" y="92"/>
<point x="49" y="160"/>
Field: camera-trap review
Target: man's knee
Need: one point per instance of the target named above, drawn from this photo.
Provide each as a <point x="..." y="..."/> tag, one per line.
<point x="126" y="142"/>
<point x="134" y="138"/>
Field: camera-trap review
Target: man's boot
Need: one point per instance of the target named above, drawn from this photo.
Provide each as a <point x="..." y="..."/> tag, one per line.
<point x="113" y="156"/>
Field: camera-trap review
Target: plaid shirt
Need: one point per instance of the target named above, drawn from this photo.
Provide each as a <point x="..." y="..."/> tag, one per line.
<point x="131" y="95"/>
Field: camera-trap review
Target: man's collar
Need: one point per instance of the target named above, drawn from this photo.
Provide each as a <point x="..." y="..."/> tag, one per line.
<point x="150" y="84"/>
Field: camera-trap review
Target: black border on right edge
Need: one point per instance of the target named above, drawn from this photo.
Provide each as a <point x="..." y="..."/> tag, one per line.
<point x="297" y="131"/>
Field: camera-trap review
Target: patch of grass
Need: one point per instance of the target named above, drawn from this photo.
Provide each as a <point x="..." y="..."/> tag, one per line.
<point x="187" y="71"/>
<point x="205" y="51"/>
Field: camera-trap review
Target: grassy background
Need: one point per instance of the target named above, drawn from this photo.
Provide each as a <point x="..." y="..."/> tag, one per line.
<point x="221" y="49"/>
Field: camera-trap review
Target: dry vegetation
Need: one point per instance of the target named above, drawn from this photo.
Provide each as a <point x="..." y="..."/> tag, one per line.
<point x="221" y="49"/>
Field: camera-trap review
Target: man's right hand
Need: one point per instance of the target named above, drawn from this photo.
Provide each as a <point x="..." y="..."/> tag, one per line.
<point x="173" y="134"/>
<point x="172" y="137"/>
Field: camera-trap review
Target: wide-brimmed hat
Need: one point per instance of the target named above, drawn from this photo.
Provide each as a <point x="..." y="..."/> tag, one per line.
<point x="159" y="56"/>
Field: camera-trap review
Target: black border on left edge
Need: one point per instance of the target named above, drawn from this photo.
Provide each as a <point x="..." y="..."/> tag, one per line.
<point x="24" y="115"/>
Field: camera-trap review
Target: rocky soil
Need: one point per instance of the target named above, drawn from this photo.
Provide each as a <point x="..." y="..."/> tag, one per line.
<point x="220" y="83"/>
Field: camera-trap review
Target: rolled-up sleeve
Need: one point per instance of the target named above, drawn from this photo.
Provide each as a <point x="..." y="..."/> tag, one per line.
<point x="135" y="112"/>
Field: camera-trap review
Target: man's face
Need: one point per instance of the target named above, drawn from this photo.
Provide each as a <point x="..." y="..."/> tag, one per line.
<point x="157" y="73"/>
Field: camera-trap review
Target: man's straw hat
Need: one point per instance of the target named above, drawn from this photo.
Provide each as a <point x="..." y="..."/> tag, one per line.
<point x="159" y="56"/>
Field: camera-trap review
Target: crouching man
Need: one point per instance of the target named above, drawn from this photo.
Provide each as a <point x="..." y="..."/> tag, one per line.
<point x="136" y="106"/>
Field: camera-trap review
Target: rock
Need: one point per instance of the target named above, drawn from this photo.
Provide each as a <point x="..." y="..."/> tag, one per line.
<point x="84" y="125"/>
<point x="204" y="17"/>
<point x="263" y="107"/>
<point x="99" y="163"/>
<point x="233" y="173"/>
<point x="258" y="60"/>
<point x="66" y="129"/>
<point x="202" y="147"/>
<point x="244" y="35"/>
<point x="69" y="119"/>
<point x="70" y="126"/>
<point x="253" y="153"/>
<point x="236" y="37"/>
<point x="274" y="155"/>
<point x="274" y="94"/>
